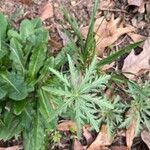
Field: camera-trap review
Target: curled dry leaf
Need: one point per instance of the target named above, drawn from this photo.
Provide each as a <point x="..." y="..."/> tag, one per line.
<point x="136" y="37"/>
<point x="130" y="133"/>
<point x="101" y="140"/>
<point x="46" y="11"/>
<point x="133" y="64"/>
<point x="107" y="32"/>
<point x="145" y="135"/>
<point x="87" y="135"/>
<point x="66" y="126"/>
<point x="77" y="145"/>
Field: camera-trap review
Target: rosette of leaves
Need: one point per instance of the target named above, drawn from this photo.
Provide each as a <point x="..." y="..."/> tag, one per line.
<point x="139" y="108"/>
<point x="80" y="94"/>
<point x="24" y="63"/>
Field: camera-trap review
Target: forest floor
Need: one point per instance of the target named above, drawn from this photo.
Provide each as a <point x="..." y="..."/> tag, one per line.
<point x="133" y="14"/>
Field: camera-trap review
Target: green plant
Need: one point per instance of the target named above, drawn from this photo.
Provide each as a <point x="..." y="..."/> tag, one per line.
<point x="139" y="108"/>
<point x="79" y="92"/>
<point x="24" y="64"/>
<point x="111" y="114"/>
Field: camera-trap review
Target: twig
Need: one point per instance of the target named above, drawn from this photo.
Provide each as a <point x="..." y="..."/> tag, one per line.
<point x="114" y="10"/>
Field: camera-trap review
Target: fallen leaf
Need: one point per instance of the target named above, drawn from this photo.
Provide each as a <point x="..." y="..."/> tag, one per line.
<point x="28" y="2"/>
<point x="77" y="145"/>
<point x="46" y="11"/>
<point x="139" y="3"/>
<point x="145" y="135"/>
<point x="135" y="2"/>
<point x="106" y="4"/>
<point x="87" y="135"/>
<point x="101" y="140"/>
<point x="55" y="44"/>
<point x="107" y="32"/>
<point x="133" y="64"/>
<point x="119" y="148"/>
<point x="130" y="133"/>
<point x="136" y="37"/>
<point x="66" y="126"/>
<point x="10" y="148"/>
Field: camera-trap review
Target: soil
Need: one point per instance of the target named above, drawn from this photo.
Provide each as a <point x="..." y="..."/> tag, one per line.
<point x="17" y="10"/>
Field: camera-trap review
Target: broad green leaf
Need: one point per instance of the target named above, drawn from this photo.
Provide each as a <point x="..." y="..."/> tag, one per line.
<point x="19" y="106"/>
<point x="3" y="28"/>
<point x="34" y="139"/>
<point x="41" y="36"/>
<point x="16" y="55"/>
<point x="37" y="60"/>
<point x="26" y="29"/>
<point x="14" y="34"/>
<point x="16" y="86"/>
<point x="3" y="92"/>
<point x="10" y="127"/>
<point x="45" y="107"/>
<point x="37" y="23"/>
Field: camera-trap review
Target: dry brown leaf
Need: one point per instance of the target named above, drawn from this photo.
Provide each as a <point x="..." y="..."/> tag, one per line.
<point x="87" y="135"/>
<point x="106" y="4"/>
<point x="139" y="3"/>
<point x="28" y="2"/>
<point x="130" y="133"/>
<point x="145" y="135"/>
<point x="46" y="11"/>
<point x="107" y="32"/>
<point x="101" y="140"/>
<point x="66" y="125"/>
<point x="135" y="2"/>
<point x="77" y="145"/>
<point x="55" y="44"/>
<point x="136" y="37"/>
<point x="135" y="63"/>
<point x="10" y="148"/>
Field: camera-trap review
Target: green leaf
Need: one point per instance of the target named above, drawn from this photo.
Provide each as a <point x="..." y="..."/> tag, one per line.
<point x="16" y="55"/>
<point x="118" y="54"/>
<point x="16" y="86"/>
<point x="3" y="28"/>
<point x="37" y="60"/>
<point x="26" y="29"/>
<point x="74" y="25"/>
<point x="14" y="34"/>
<point x="10" y="127"/>
<point x="37" y="23"/>
<point x="45" y="107"/>
<point x="19" y="106"/>
<point x="61" y="58"/>
<point x="3" y="92"/>
<point x="34" y="139"/>
<point x="90" y="40"/>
